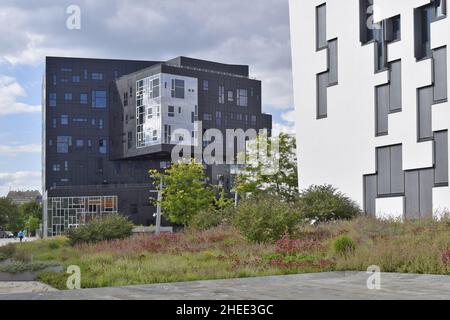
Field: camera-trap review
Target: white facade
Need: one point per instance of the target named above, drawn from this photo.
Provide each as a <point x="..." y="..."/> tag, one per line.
<point x="347" y="144"/>
<point x="170" y="103"/>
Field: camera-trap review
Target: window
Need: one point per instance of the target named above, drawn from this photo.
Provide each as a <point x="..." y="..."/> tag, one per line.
<point x="218" y="118"/>
<point x="150" y="113"/>
<point x="322" y="84"/>
<point x="85" y="74"/>
<point x="102" y="144"/>
<point x="50" y="143"/>
<point x="125" y="99"/>
<point x="390" y="177"/>
<point x="100" y="123"/>
<point x="80" y="143"/>
<point x="75" y="79"/>
<point x="64" y="120"/>
<point x="177" y="90"/>
<point x="423" y="17"/>
<point x="66" y="69"/>
<point x="83" y="98"/>
<point x="52" y="99"/>
<point x="66" y="165"/>
<point x="54" y="123"/>
<point x="393" y="29"/>
<point x="56" y="168"/>
<point x="230" y="96"/>
<point x="253" y="120"/>
<point x="98" y="99"/>
<point x="54" y="79"/>
<point x="89" y="143"/>
<point x="239" y="116"/>
<point x="80" y="120"/>
<point x="167" y="133"/>
<point x="441" y="8"/>
<point x="205" y="85"/>
<point x="321" y="27"/>
<point x="97" y="76"/>
<point x="179" y="110"/>
<point x="63" y="143"/>
<point x="171" y="111"/>
<point x="67" y="96"/>
<point x="116" y="74"/>
<point x="221" y="94"/>
<point x="242" y="97"/>
<point x="130" y="139"/>
<point x="155" y="88"/>
<point x="207" y="116"/>
<point x="367" y="27"/>
<point x="155" y="135"/>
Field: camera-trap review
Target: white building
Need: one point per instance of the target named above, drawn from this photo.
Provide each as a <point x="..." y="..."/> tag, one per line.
<point x="372" y="114"/>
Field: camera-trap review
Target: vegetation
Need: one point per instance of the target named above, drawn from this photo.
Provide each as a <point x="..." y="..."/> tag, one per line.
<point x="14" y="218"/>
<point x="344" y="245"/>
<point x="108" y="227"/>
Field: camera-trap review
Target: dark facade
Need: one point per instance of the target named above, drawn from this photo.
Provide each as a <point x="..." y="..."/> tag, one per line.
<point x="90" y="128"/>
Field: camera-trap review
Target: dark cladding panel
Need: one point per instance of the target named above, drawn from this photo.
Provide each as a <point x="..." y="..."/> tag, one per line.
<point x="395" y="92"/>
<point x="426" y="178"/>
<point x="412" y="195"/>
<point x="424" y="113"/>
<point x="440" y="74"/>
<point x="382" y="106"/>
<point x="397" y="176"/>
<point x="441" y="158"/>
<point x="370" y="194"/>
<point x="384" y="171"/>
<point x="321" y="26"/>
<point x="333" y="62"/>
<point x="322" y="84"/>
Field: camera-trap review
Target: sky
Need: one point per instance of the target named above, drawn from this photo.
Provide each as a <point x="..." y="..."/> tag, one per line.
<point x="252" y="32"/>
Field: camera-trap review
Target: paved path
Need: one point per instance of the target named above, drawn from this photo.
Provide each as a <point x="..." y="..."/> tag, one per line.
<point x="334" y="285"/>
<point x="4" y="242"/>
<point x="7" y="287"/>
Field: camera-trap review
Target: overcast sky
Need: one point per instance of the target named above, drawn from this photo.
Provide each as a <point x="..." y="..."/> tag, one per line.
<point x="253" y="32"/>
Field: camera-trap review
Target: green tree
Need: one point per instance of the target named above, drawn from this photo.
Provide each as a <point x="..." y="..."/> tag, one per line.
<point x="32" y="208"/>
<point x="283" y="183"/>
<point x="32" y="224"/>
<point x="185" y="191"/>
<point x="9" y="215"/>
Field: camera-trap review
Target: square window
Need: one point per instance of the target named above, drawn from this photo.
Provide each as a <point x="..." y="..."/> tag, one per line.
<point x="83" y="98"/>
<point x="67" y="96"/>
<point x="64" y="120"/>
<point x="171" y="111"/>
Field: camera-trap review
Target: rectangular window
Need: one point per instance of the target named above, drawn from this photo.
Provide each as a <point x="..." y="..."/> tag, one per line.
<point x="321" y="27"/>
<point x="89" y="143"/>
<point x="230" y="96"/>
<point x="221" y="94"/>
<point x="171" y="111"/>
<point x="100" y="123"/>
<point x="66" y="69"/>
<point x="441" y="158"/>
<point x="393" y="29"/>
<point x="83" y="98"/>
<point x="322" y="84"/>
<point x="242" y="97"/>
<point x="97" y="76"/>
<point x="205" y="85"/>
<point x="177" y="89"/>
<point x="63" y="143"/>
<point x="64" y="120"/>
<point x="54" y="79"/>
<point x="150" y="113"/>
<point x="155" y="88"/>
<point x="99" y="99"/>
<point x="333" y="62"/>
<point x="56" y="168"/>
<point x="395" y="86"/>
<point x="80" y="143"/>
<point x="67" y="96"/>
<point x="440" y="74"/>
<point x="423" y="17"/>
<point x="382" y="110"/>
<point x="52" y="99"/>
<point x="441" y="8"/>
<point x="130" y="139"/>
<point x="253" y="120"/>
<point x="425" y="101"/>
<point x="102" y="146"/>
<point x="218" y="118"/>
<point x="367" y="26"/>
<point x="207" y="117"/>
<point x="85" y="74"/>
<point x="390" y="178"/>
<point x="167" y="133"/>
<point x="75" y="79"/>
<point x="54" y="123"/>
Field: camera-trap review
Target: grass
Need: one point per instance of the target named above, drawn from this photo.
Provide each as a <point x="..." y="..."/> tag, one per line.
<point x="222" y="252"/>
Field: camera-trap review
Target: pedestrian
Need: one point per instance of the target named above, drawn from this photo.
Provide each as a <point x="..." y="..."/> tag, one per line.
<point x="21" y="234"/>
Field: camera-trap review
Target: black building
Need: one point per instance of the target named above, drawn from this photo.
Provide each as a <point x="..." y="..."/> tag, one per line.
<point x="107" y="122"/>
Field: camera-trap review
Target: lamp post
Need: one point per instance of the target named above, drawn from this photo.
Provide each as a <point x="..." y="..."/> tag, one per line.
<point x="158" y="207"/>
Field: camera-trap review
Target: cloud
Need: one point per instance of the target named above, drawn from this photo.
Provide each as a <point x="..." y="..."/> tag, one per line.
<point x="288" y="116"/>
<point x="278" y="128"/>
<point x="13" y="150"/>
<point x="21" y="180"/>
<point x="10" y="92"/>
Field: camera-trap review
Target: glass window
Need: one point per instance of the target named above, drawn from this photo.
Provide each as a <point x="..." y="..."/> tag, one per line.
<point x="230" y="96"/>
<point x="171" y="111"/>
<point x="242" y="97"/>
<point x="177" y="88"/>
<point x="97" y="76"/>
<point x="99" y="99"/>
<point x="221" y="94"/>
<point x="154" y="88"/>
<point x="218" y="118"/>
<point x="54" y="122"/>
<point x="80" y="143"/>
<point x="54" y="78"/>
<point x="207" y="116"/>
<point x="67" y="96"/>
<point x="66" y="69"/>
<point x="85" y="74"/>
<point x="75" y="79"/>
<point x="64" y="119"/>
<point x="83" y="98"/>
<point x="253" y="120"/>
<point x="56" y="168"/>
<point x="63" y="143"/>
<point x="89" y="143"/>
<point x="205" y="85"/>
<point x="52" y="99"/>
<point x="66" y="165"/>
<point x="100" y="123"/>
<point x="441" y="8"/>
<point x="102" y="146"/>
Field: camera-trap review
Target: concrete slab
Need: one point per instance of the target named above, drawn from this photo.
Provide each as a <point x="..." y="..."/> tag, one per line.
<point x="323" y="286"/>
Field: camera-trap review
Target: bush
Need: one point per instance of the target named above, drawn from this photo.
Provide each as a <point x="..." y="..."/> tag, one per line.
<point x="344" y="245"/>
<point x="326" y="203"/>
<point x="109" y="227"/>
<point x="265" y="218"/>
<point x="7" y="251"/>
<point x="207" y="219"/>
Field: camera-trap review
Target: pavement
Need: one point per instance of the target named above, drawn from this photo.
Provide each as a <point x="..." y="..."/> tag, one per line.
<point x="8" y="287"/>
<point x="320" y="286"/>
<point x="4" y="242"/>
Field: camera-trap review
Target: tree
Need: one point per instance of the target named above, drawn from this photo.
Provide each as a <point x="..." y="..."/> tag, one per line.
<point x="9" y="215"/>
<point x="283" y="183"/>
<point x="32" y="208"/>
<point x="185" y="191"/>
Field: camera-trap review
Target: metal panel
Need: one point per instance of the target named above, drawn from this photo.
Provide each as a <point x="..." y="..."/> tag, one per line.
<point x="384" y="171"/>
<point x="440" y="73"/>
<point x="397" y="175"/>
<point x="412" y="195"/>
<point x="395" y="90"/>
<point x="333" y="62"/>
<point x="370" y="194"/>
<point x="424" y="113"/>
<point x="382" y="106"/>
<point x="321" y="26"/>
<point x="322" y="84"/>
<point x="426" y="180"/>
<point x="441" y="158"/>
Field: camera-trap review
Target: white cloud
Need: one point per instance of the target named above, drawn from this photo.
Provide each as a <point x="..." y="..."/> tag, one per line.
<point x="21" y="180"/>
<point x="289" y="116"/>
<point x="13" y="150"/>
<point x="278" y="128"/>
<point x="10" y="92"/>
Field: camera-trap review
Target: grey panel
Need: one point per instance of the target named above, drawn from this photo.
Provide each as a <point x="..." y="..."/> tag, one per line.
<point x="440" y="74"/>
<point x="412" y="195"/>
<point x="382" y="107"/>
<point x="322" y="84"/>
<point x="441" y="158"/>
<point x="426" y="180"/>
<point x="333" y="62"/>
<point x="384" y="171"/>
<point x="321" y="26"/>
<point x="397" y="175"/>
<point x="395" y="90"/>
<point x="424" y="113"/>
<point x="370" y="194"/>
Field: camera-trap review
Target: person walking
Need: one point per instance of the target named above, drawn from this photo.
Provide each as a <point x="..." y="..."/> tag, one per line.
<point x="21" y="234"/>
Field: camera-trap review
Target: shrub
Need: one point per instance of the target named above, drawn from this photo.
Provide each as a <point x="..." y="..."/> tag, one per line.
<point x="109" y="227"/>
<point x="344" y="245"/>
<point x="7" y="251"/>
<point x="265" y="218"/>
<point x="207" y="219"/>
<point x="326" y="203"/>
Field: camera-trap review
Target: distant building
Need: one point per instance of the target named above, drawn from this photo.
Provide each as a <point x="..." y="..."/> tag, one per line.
<point x="21" y="197"/>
